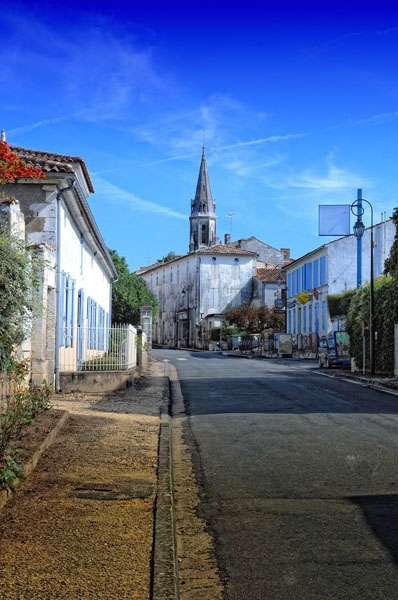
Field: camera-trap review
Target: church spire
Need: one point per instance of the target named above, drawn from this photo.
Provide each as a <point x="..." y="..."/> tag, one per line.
<point x="203" y="202"/>
<point x="203" y="211"/>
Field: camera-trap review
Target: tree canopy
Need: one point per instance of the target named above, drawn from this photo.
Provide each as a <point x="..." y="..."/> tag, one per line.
<point x="253" y="320"/>
<point x="129" y="293"/>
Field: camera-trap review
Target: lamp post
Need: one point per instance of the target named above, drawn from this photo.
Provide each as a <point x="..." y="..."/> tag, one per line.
<point x="280" y="302"/>
<point x="358" y="210"/>
<point x="185" y="290"/>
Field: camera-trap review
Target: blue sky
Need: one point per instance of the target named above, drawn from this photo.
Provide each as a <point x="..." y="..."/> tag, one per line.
<point x="295" y="102"/>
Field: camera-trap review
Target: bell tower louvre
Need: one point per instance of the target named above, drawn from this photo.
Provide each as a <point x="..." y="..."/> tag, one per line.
<point x="202" y="221"/>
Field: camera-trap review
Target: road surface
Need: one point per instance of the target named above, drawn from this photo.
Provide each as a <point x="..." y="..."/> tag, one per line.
<point x="299" y="473"/>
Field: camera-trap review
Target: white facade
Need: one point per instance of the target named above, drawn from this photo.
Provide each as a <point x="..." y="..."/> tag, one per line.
<point x="331" y="269"/>
<point x="76" y="280"/>
<point x="194" y="291"/>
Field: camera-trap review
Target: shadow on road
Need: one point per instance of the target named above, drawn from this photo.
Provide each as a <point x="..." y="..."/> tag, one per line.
<point x="381" y="514"/>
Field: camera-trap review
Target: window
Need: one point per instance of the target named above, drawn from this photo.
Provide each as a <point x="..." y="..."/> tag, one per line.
<point x="92" y="323"/>
<point x="289" y="285"/>
<point x="317" y="317"/>
<point x="203" y="234"/>
<point x="308" y="276"/>
<point x="213" y="298"/>
<point x="67" y="311"/>
<point x="81" y="253"/>
<point x="324" y="316"/>
<point x="235" y="272"/>
<point x="316" y="272"/>
<point x="322" y="264"/>
<point x="101" y="328"/>
<point x="214" y="273"/>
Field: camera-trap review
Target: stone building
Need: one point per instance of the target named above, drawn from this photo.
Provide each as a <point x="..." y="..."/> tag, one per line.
<point x="195" y="290"/>
<point x="76" y="280"/>
<point x="330" y="269"/>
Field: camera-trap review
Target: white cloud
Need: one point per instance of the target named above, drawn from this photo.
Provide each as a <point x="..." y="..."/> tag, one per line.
<point x="272" y="139"/>
<point x="112" y="193"/>
<point x="379" y="119"/>
<point x="42" y="123"/>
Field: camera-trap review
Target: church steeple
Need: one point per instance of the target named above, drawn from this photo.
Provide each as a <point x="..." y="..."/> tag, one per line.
<point x="203" y="212"/>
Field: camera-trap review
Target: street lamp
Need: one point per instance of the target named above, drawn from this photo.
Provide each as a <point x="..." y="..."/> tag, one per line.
<point x="359" y="228"/>
<point x="280" y="302"/>
<point x="185" y="290"/>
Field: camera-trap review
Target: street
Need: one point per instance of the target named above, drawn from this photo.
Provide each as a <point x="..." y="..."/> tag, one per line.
<point x="299" y="477"/>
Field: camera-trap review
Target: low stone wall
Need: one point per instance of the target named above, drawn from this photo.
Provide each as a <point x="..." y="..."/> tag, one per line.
<point x="97" y="381"/>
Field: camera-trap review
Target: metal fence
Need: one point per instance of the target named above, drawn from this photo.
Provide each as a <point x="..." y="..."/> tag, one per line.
<point x="100" y="349"/>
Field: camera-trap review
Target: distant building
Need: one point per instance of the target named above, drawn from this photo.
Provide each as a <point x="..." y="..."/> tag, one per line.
<point x="267" y="255"/>
<point x="195" y="290"/>
<point x="330" y="269"/>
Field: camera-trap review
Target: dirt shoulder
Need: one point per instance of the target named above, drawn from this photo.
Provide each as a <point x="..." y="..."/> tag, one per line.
<point x="81" y="525"/>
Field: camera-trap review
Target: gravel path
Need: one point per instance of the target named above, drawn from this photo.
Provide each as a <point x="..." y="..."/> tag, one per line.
<point x="81" y="525"/>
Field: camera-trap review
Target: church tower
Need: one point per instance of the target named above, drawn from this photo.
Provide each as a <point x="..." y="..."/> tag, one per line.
<point x="202" y="222"/>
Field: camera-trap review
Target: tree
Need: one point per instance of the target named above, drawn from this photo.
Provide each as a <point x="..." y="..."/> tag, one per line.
<point x="169" y="257"/>
<point x="18" y="280"/>
<point x="391" y="263"/>
<point x="129" y="293"/>
<point x="19" y="300"/>
<point x="252" y="320"/>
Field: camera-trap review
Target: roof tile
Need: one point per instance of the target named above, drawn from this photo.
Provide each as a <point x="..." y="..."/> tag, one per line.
<point x="50" y="162"/>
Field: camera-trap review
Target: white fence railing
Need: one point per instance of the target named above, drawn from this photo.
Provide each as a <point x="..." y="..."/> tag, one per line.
<point x="100" y="349"/>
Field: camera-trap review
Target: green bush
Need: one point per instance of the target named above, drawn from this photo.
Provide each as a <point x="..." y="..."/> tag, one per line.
<point x="339" y="304"/>
<point x="19" y="411"/>
<point x="385" y="317"/>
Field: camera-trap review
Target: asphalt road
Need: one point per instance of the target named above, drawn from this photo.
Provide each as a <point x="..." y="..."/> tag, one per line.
<point x="299" y="473"/>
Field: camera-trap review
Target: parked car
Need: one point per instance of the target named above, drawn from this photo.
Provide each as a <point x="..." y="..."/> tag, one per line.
<point x="334" y="350"/>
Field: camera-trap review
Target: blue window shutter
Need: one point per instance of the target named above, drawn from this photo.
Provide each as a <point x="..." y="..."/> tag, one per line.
<point x="308" y="276"/>
<point x="61" y="319"/>
<point x="89" y="325"/>
<point x="316" y="272"/>
<point x="72" y="318"/>
<point x="323" y="269"/>
<point x="81" y="308"/>
<point x="68" y="311"/>
<point x="81" y="253"/>
<point x="324" y="315"/>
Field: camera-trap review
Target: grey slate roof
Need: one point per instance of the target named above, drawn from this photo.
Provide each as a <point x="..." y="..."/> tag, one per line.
<point x="203" y="202"/>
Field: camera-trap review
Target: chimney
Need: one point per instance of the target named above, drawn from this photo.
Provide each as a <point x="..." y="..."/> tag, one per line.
<point x="286" y="253"/>
<point x="227" y="239"/>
